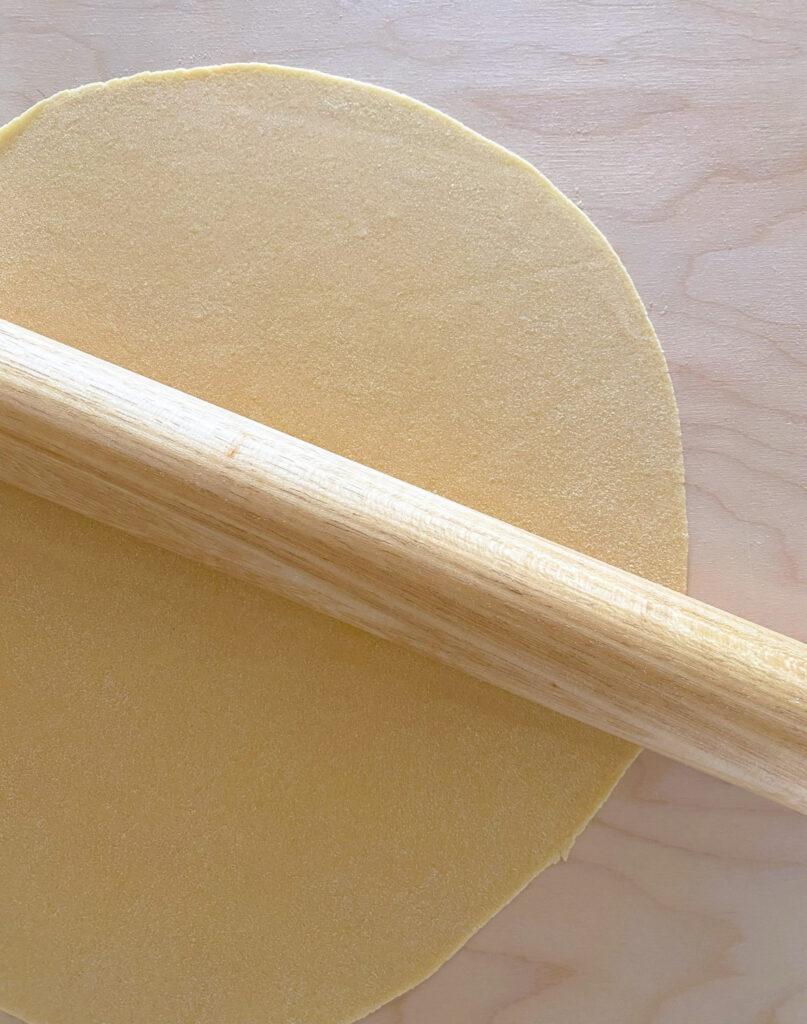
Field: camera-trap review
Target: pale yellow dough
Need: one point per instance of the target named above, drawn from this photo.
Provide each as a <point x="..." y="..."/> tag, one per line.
<point x="217" y="807"/>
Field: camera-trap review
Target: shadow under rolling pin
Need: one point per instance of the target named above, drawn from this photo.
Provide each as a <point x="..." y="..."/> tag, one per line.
<point x="544" y="622"/>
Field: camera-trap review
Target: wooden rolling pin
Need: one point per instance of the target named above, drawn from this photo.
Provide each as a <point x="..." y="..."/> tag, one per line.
<point x="546" y="623"/>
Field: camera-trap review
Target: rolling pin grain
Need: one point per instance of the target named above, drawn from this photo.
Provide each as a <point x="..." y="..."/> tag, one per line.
<point x="546" y="623"/>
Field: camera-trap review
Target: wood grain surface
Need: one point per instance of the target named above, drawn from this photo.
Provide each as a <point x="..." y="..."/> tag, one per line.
<point x="581" y="637"/>
<point x="680" y="128"/>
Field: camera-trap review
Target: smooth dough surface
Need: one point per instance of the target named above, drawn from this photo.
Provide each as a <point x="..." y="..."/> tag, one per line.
<point x="217" y="807"/>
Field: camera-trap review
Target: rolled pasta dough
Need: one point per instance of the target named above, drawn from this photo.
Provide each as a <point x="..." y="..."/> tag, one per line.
<point x="217" y="806"/>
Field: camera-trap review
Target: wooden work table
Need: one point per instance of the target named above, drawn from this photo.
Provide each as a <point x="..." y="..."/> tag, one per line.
<point x="680" y="128"/>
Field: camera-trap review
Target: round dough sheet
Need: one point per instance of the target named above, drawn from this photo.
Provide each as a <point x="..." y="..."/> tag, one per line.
<point x="216" y="806"/>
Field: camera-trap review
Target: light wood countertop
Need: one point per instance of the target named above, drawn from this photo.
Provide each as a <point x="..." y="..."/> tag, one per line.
<point x="680" y="127"/>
